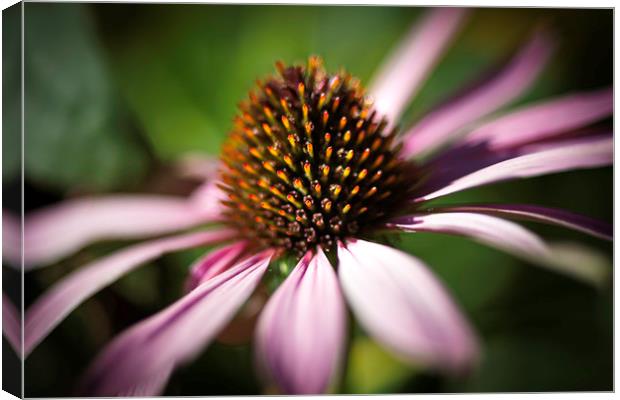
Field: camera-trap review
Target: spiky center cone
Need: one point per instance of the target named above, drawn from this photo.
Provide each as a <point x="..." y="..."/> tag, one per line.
<point x="308" y="162"/>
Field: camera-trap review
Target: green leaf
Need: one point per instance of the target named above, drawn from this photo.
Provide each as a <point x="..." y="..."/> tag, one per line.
<point x="11" y="92"/>
<point x="183" y="70"/>
<point x="372" y="370"/>
<point x="278" y="271"/>
<point x="140" y="286"/>
<point x="174" y="70"/>
<point x="74" y="131"/>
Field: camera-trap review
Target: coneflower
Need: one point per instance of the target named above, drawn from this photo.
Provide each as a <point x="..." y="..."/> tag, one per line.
<point x="315" y="170"/>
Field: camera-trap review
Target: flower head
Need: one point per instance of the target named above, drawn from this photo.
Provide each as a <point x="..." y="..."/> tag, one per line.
<point x="313" y="166"/>
<point x="310" y="163"/>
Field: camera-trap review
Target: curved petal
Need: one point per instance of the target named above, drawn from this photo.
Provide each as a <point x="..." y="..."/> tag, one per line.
<point x="446" y="166"/>
<point x="511" y="238"/>
<point x="411" y="62"/>
<point x="176" y="334"/>
<point x="213" y="263"/>
<point x="544" y="120"/>
<point x="208" y="198"/>
<point x="575" y="154"/>
<point x="403" y="306"/>
<point x="149" y="386"/>
<point x="11" y="324"/>
<point x="54" y="305"/>
<point x="553" y="216"/>
<point x="56" y="231"/>
<point x="512" y="81"/>
<point x="301" y="332"/>
<point x="198" y="165"/>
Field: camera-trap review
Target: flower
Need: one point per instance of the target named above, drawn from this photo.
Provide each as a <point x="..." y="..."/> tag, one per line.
<point x="315" y="169"/>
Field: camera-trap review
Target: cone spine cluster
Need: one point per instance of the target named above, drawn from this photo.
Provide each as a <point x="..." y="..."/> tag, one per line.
<point x="308" y="162"/>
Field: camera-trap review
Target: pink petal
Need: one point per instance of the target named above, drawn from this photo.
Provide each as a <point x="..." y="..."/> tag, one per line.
<point x="546" y="119"/>
<point x="198" y="166"/>
<point x="213" y="263"/>
<point x="575" y="154"/>
<point x="512" y="81"/>
<point x="11" y="324"/>
<point x="208" y="197"/>
<point x="54" y="305"/>
<point x="176" y="334"/>
<point x="411" y="62"/>
<point x="403" y="306"/>
<point x="456" y="162"/>
<point x="56" y="231"/>
<point x="149" y="386"/>
<point x="553" y="216"/>
<point x="11" y="239"/>
<point x="491" y="231"/>
<point x="300" y="334"/>
<point x="512" y="238"/>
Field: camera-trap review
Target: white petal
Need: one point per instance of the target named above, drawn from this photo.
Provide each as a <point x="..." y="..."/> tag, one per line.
<point x="301" y="332"/>
<point x="403" y="306"/>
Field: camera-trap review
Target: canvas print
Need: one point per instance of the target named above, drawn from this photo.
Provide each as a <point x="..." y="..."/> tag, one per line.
<point x="299" y="199"/>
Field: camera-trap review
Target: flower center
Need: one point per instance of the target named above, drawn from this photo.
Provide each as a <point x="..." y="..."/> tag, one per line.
<point x="308" y="162"/>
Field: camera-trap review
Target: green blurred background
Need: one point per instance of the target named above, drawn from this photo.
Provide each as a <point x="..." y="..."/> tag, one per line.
<point x="116" y="93"/>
